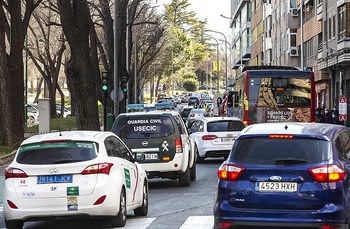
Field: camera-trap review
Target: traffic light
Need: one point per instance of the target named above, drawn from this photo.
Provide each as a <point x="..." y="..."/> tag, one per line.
<point x="104" y="80"/>
<point x="125" y="87"/>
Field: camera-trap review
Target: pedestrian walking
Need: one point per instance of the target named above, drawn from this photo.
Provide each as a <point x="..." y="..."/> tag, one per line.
<point x="230" y="104"/>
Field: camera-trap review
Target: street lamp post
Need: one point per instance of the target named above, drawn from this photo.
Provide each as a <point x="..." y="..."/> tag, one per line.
<point x="217" y="60"/>
<point x="225" y="55"/>
<point x="172" y="71"/>
<point x="230" y="54"/>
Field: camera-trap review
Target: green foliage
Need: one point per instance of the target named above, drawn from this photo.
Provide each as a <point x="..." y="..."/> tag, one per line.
<point x="6" y="150"/>
<point x="190" y="85"/>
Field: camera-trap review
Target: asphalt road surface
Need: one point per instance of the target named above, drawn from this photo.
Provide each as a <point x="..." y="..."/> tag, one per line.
<point x="170" y="206"/>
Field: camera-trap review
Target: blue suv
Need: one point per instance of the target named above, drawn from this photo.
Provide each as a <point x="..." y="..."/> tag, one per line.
<point x="286" y="175"/>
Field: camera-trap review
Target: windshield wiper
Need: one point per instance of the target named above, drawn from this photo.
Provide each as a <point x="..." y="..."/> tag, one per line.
<point x="65" y="161"/>
<point x="289" y="161"/>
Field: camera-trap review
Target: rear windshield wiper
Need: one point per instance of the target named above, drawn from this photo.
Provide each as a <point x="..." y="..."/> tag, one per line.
<point x="288" y="161"/>
<point x="65" y="161"/>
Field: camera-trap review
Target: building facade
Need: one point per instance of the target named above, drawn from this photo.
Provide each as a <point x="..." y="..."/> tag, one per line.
<point x="334" y="52"/>
<point x="240" y="23"/>
<point x="309" y="34"/>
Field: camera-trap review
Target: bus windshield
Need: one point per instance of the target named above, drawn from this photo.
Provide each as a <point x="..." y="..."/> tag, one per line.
<point x="279" y="92"/>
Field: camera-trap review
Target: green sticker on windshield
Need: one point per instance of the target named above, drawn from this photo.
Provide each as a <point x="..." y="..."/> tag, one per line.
<point x="127" y="178"/>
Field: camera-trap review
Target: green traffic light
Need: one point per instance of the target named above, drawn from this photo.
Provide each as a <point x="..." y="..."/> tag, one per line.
<point x="104" y="87"/>
<point x="124" y="89"/>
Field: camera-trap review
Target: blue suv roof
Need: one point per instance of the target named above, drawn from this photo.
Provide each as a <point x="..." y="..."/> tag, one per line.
<point x="316" y="130"/>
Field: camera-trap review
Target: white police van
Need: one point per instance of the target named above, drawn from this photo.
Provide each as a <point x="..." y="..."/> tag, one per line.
<point x="159" y="139"/>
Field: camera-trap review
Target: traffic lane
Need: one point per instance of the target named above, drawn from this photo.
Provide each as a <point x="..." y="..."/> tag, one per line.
<point x="171" y="205"/>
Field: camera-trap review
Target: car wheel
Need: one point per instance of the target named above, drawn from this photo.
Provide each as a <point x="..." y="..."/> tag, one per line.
<point x="199" y="158"/>
<point x="120" y="219"/>
<point x="193" y="171"/>
<point x="143" y="210"/>
<point x="14" y="224"/>
<point x="185" y="178"/>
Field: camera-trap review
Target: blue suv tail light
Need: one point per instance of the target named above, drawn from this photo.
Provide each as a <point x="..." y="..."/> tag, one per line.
<point x="328" y="173"/>
<point x="230" y="172"/>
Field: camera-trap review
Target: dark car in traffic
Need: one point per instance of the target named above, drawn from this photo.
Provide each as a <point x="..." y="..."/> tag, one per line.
<point x="193" y="100"/>
<point x="286" y="175"/>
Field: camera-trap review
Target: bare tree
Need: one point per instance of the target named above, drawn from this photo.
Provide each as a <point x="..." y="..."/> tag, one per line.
<point x="13" y="26"/>
<point x="47" y="58"/>
<point x="81" y="75"/>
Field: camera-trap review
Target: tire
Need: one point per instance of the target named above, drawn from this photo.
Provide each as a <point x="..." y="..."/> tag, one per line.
<point x="120" y="219"/>
<point x="143" y="210"/>
<point x="185" y="178"/>
<point x="14" y="224"/>
<point x="199" y="158"/>
<point x="193" y="171"/>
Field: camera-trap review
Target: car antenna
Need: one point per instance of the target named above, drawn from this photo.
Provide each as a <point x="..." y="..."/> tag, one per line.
<point x="59" y="130"/>
<point x="286" y="127"/>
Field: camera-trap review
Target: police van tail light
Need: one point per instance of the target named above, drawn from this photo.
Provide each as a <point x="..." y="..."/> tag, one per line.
<point x="178" y="145"/>
<point x="209" y="137"/>
<point x="328" y="173"/>
<point x="97" y="168"/>
<point x="14" y="173"/>
<point x="230" y="172"/>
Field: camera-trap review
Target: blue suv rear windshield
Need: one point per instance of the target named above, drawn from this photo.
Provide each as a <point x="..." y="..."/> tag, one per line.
<point x="267" y="151"/>
<point x="132" y="127"/>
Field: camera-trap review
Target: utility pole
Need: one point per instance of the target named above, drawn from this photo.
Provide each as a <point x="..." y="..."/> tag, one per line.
<point x="115" y="75"/>
<point x="225" y="55"/>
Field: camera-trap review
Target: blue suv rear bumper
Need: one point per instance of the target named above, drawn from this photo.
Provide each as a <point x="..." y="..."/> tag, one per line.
<point x="330" y="214"/>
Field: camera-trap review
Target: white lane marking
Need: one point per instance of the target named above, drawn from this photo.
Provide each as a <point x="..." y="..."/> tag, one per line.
<point x="202" y="222"/>
<point x="138" y="223"/>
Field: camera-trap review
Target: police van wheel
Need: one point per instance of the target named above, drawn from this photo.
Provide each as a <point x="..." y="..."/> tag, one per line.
<point x="185" y="178"/>
<point x="193" y="171"/>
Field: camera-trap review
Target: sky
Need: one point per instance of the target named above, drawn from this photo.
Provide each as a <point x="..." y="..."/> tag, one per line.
<point x="211" y="9"/>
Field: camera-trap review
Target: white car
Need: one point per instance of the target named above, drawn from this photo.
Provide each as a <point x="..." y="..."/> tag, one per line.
<point x="73" y="174"/>
<point x="196" y="114"/>
<point x="67" y="113"/>
<point x="214" y="136"/>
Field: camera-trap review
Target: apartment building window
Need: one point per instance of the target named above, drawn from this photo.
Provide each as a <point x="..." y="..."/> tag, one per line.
<point x="292" y="4"/>
<point x="334" y="27"/>
<point x="325" y="31"/>
<point x="342" y="22"/>
<point x="330" y="28"/>
<point x="253" y="6"/>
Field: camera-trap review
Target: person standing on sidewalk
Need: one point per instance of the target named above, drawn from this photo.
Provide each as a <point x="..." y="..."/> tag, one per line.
<point x="230" y="104"/>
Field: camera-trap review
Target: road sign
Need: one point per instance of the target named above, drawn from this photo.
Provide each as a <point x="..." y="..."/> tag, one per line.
<point x="343" y="109"/>
<point x="342" y="118"/>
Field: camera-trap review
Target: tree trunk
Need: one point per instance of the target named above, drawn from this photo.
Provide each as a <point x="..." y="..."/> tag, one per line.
<point x="81" y="75"/>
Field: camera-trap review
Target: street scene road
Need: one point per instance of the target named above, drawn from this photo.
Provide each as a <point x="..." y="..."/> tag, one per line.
<point x="170" y="206"/>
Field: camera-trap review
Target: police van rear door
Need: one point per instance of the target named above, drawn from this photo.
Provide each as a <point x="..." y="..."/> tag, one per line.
<point x="151" y="137"/>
